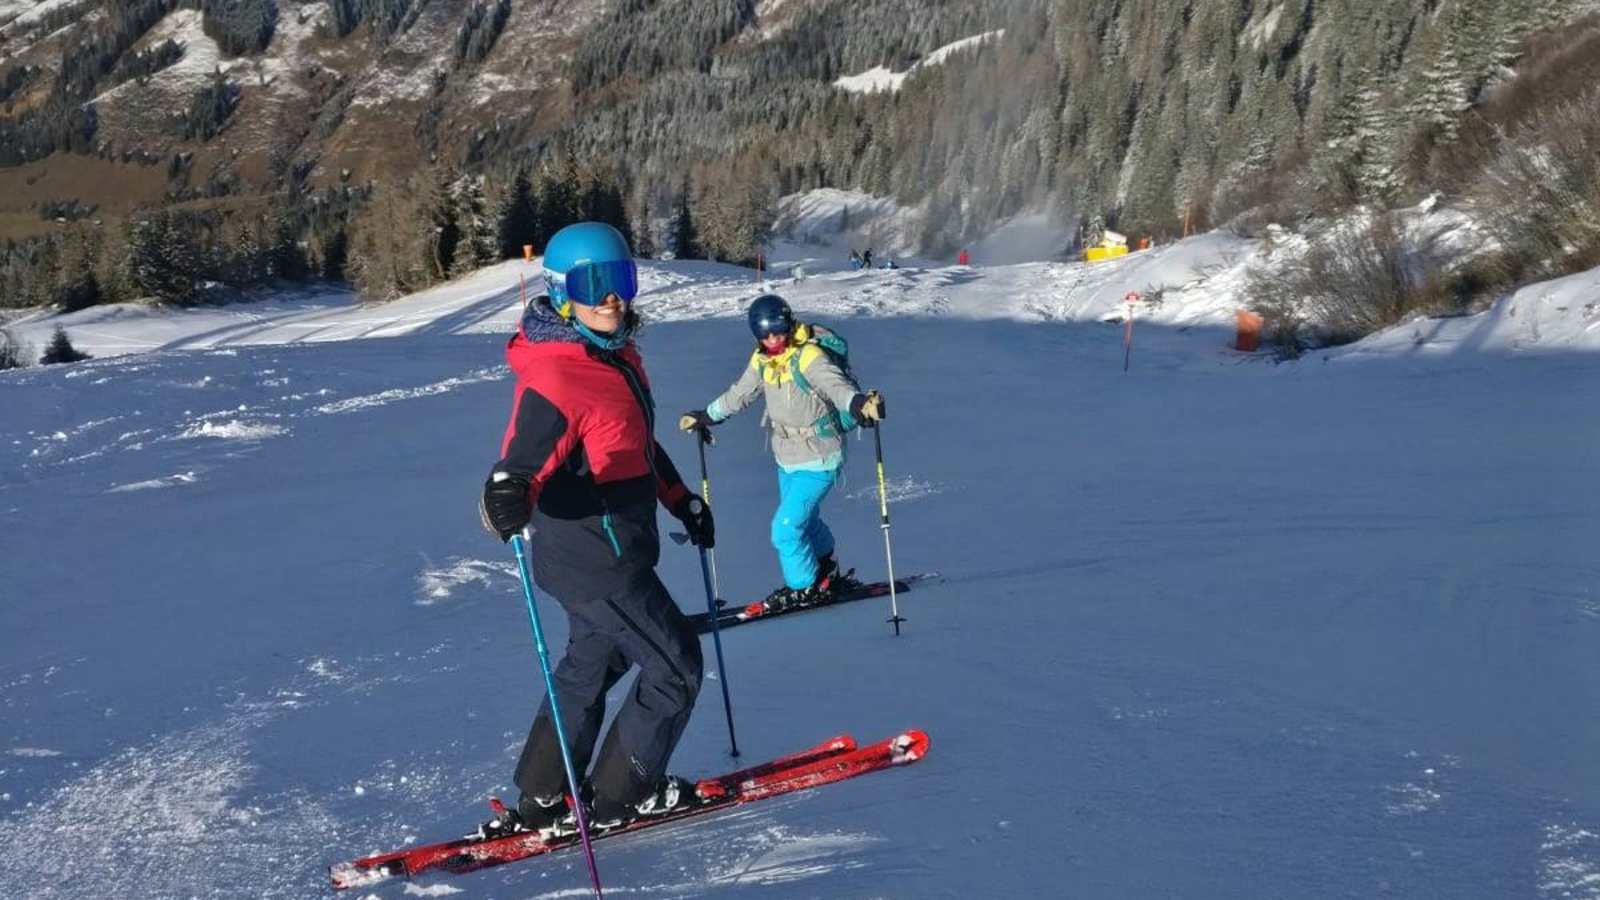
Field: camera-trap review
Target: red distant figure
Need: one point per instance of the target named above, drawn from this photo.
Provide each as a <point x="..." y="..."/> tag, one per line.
<point x="964" y="259"/>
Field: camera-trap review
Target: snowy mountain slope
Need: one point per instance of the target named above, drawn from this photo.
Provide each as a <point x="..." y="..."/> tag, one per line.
<point x="881" y="78"/>
<point x="1208" y="630"/>
<point x="1198" y="282"/>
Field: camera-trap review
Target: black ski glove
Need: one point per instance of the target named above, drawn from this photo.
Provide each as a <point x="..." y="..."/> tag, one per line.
<point x="868" y="409"/>
<point x="504" y="506"/>
<point x="695" y="515"/>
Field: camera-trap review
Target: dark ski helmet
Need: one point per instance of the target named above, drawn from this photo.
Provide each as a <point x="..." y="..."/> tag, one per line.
<point x="769" y="315"/>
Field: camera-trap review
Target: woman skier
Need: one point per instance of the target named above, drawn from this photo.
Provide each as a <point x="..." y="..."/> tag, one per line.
<point x="580" y="464"/>
<point x="812" y="402"/>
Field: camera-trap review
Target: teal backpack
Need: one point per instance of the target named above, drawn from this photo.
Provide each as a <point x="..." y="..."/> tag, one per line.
<point x="835" y="421"/>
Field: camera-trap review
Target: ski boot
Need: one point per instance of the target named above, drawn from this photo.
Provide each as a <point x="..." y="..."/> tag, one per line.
<point x="827" y="571"/>
<point x="546" y="815"/>
<point x="781" y="599"/>
<point x="672" y="794"/>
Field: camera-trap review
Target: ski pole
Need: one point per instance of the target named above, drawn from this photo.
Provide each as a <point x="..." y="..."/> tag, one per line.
<point x="518" y="544"/>
<point x="713" y="598"/>
<point x="705" y="494"/>
<point x="883" y="510"/>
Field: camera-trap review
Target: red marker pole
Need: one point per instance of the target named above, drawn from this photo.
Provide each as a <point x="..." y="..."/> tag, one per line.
<point x="1127" y="331"/>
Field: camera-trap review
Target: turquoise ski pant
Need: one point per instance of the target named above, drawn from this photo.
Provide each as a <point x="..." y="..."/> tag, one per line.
<point x="798" y="532"/>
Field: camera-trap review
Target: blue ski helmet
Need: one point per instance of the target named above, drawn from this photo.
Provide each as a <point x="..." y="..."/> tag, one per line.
<point x="585" y="262"/>
<point x="769" y="315"/>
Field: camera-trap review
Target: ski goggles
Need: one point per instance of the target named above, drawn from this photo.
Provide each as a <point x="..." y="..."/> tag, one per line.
<point x="590" y="283"/>
<point x="767" y="327"/>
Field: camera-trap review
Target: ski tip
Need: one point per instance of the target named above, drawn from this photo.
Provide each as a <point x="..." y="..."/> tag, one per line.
<point x="909" y="746"/>
<point x="498" y="807"/>
<point x="348" y="875"/>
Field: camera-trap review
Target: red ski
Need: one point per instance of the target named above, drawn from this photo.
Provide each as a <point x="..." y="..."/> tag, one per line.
<point x="830" y="761"/>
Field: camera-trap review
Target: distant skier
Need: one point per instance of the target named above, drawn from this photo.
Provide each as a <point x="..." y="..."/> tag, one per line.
<point x="580" y="464"/>
<point x="811" y="403"/>
<point x="855" y="259"/>
<point x="866" y="259"/>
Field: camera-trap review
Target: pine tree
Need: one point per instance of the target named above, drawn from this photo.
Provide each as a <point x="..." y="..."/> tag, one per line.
<point x="519" y="218"/>
<point x="1442" y="93"/>
<point x="60" y="350"/>
<point x="286" y="258"/>
<point x="13" y="353"/>
<point x="1375" y="141"/>
<point x="162" y="257"/>
<point x="247" y="263"/>
<point x="1361" y="143"/>
<point x="478" y="245"/>
<point x="644" y="241"/>
<point x="446" y="235"/>
<point x="76" y="286"/>
<point x="558" y="200"/>
<point x="603" y="202"/>
<point x="685" y="236"/>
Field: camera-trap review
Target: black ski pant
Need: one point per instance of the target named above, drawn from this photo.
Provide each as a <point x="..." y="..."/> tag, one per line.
<point x="611" y="631"/>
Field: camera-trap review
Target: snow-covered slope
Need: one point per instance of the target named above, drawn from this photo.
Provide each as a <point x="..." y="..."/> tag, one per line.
<point x="1196" y="282"/>
<point x="881" y="78"/>
<point x="1208" y="629"/>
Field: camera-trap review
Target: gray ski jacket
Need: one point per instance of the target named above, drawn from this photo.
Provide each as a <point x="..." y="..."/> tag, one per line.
<point x="808" y="401"/>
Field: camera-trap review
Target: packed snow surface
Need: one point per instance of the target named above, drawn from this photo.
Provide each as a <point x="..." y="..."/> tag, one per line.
<point x="1212" y="627"/>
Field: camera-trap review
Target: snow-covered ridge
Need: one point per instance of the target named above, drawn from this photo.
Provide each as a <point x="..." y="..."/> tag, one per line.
<point x="1196" y="282"/>
<point x="880" y="78"/>
<point x="16" y="15"/>
<point x="202" y="58"/>
<point x="201" y="55"/>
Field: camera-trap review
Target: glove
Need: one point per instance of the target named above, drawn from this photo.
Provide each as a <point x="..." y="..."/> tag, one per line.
<point x="504" y="506"/>
<point x="695" y="420"/>
<point x="695" y="515"/>
<point x="868" y="409"/>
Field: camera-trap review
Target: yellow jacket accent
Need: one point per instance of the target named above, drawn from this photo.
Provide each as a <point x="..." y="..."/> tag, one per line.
<point x="777" y="369"/>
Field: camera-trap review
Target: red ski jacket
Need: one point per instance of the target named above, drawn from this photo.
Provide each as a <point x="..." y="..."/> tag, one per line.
<point x="582" y="433"/>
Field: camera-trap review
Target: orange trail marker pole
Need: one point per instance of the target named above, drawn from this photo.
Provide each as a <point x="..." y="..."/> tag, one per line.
<point x="1127" y="331"/>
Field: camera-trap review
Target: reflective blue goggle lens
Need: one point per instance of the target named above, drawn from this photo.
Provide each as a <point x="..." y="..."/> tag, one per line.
<point x="766" y="328"/>
<point x="589" y="283"/>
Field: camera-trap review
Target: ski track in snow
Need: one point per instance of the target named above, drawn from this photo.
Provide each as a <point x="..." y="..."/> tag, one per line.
<point x="176" y="802"/>
<point x="1569" y="863"/>
<point x="1424" y="792"/>
<point x="384" y="398"/>
<point x="251" y="422"/>
<point x="904" y="489"/>
<point x="734" y="859"/>
<point x="436" y="584"/>
<point x="188" y="822"/>
<point x="430" y="890"/>
<point x="174" y="480"/>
